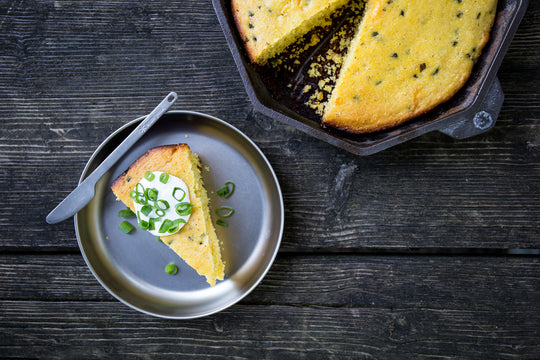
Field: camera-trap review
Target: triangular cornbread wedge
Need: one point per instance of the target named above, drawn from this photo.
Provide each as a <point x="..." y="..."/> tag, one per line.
<point x="268" y="27"/>
<point x="407" y="57"/>
<point x="196" y="242"/>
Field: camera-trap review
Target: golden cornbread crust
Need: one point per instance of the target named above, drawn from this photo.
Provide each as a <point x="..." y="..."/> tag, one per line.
<point x="268" y="27"/>
<point x="196" y="242"/>
<point x="407" y="58"/>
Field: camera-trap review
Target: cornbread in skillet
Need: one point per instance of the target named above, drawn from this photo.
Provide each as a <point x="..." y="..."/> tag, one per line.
<point x="267" y="27"/>
<point x="196" y="242"/>
<point x="407" y="57"/>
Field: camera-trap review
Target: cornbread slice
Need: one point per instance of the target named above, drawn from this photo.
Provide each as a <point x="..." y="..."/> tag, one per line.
<point x="407" y="57"/>
<point x="196" y="242"/>
<point x="268" y="27"/>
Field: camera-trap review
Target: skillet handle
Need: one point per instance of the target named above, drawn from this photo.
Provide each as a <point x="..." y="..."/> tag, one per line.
<point x="483" y="118"/>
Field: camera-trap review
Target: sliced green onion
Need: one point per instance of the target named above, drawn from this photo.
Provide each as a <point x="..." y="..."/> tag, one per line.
<point x="171" y="269"/>
<point x="178" y="196"/>
<point x="162" y="205"/>
<point x="151" y="194"/>
<point x="184" y="208"/>
<point x="138" y="194"/>
<point x="165" y="226"/>
<point x="134" y="195"/>
<point x="176" y="226"/>
<point x="173" y="229"/>
<point x="160" y="212"/>
<point x="126" y="227"/>
<point x="152" y="224"/>
<point x="146" y="209"/>
<point x="143" y="224"/>
<point x="139" y="188"/>
<point x="126" y="213"/>
<point x="224" y="211"/>
<point x="158" y="238"/>
<point x="164" y="177"/>
<point x="221" y="223"/>
<point x="149" y="176"/>
<point x="141" y="199"/>
<point x="226" y="190"/>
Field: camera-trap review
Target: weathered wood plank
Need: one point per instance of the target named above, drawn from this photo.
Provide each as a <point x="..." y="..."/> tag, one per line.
<point x="470" y="200"/>
<point x="95" y="330"/>
<point x="72" y="72"/>
<point x="451" y="283"/>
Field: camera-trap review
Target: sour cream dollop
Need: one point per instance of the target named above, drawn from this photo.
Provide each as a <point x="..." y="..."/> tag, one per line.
<point x="169" y="211"/>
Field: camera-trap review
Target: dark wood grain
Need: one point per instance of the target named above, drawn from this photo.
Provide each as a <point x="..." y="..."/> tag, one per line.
<point x="327" y="307"/>
<point x="97" y="330"/>
<point x="74" y="71"/>
<point x="402" y="254"/>
<point x="442" y="282"/>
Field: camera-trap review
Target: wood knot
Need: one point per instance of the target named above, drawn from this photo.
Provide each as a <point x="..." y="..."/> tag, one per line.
<point x="341" y="186"/>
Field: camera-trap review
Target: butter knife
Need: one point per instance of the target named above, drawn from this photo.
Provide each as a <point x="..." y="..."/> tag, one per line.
<point x="85" y="192"/>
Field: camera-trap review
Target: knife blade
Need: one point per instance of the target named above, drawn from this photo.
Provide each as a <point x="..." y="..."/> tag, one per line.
<point x="85" y="192"/>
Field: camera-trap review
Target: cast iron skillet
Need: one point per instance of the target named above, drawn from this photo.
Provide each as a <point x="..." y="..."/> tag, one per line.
<point x="473" y="110"/>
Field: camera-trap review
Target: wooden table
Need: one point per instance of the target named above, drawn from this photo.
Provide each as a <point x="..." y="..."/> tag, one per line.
<point x="427" y="249"/>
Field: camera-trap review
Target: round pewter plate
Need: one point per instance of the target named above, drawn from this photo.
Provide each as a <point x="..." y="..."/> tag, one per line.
<point x="132" y="266"/>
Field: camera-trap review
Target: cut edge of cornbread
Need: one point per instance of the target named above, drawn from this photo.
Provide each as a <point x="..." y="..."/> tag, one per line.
<point x="196" y="242"/>
<point x="261" y="46"/>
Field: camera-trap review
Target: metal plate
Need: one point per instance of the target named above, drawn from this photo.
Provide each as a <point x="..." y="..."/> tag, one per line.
<point x="131" y="267"/>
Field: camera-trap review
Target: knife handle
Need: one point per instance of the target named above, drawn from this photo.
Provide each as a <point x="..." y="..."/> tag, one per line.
<point x="84" y="193"/>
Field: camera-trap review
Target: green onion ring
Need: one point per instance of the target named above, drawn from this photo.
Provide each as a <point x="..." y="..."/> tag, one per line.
<point x="141" y="199"/>
<point x="164" y="177"/>
<point x="220" y="211"/>
<point x="126" y="227"/>
<point x="161" y="205"/>
<point x="151" y="194"/>
<point x="171" y="269"/>
<point x="143" y="224"/>
<point x="149" y="176"/>
<point x="152" y="224"/>
<point x="146" y="209"/>
<point x="165" y="225"/>
<point x="184" y="209"/>
<point x="176" y="226"/>
<point x="126" y="213"/>
<point x="175" y="196"/>
<point x="160" y="212"/>
<point x="139" y="188"/>
<point x="226" y="191"/>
